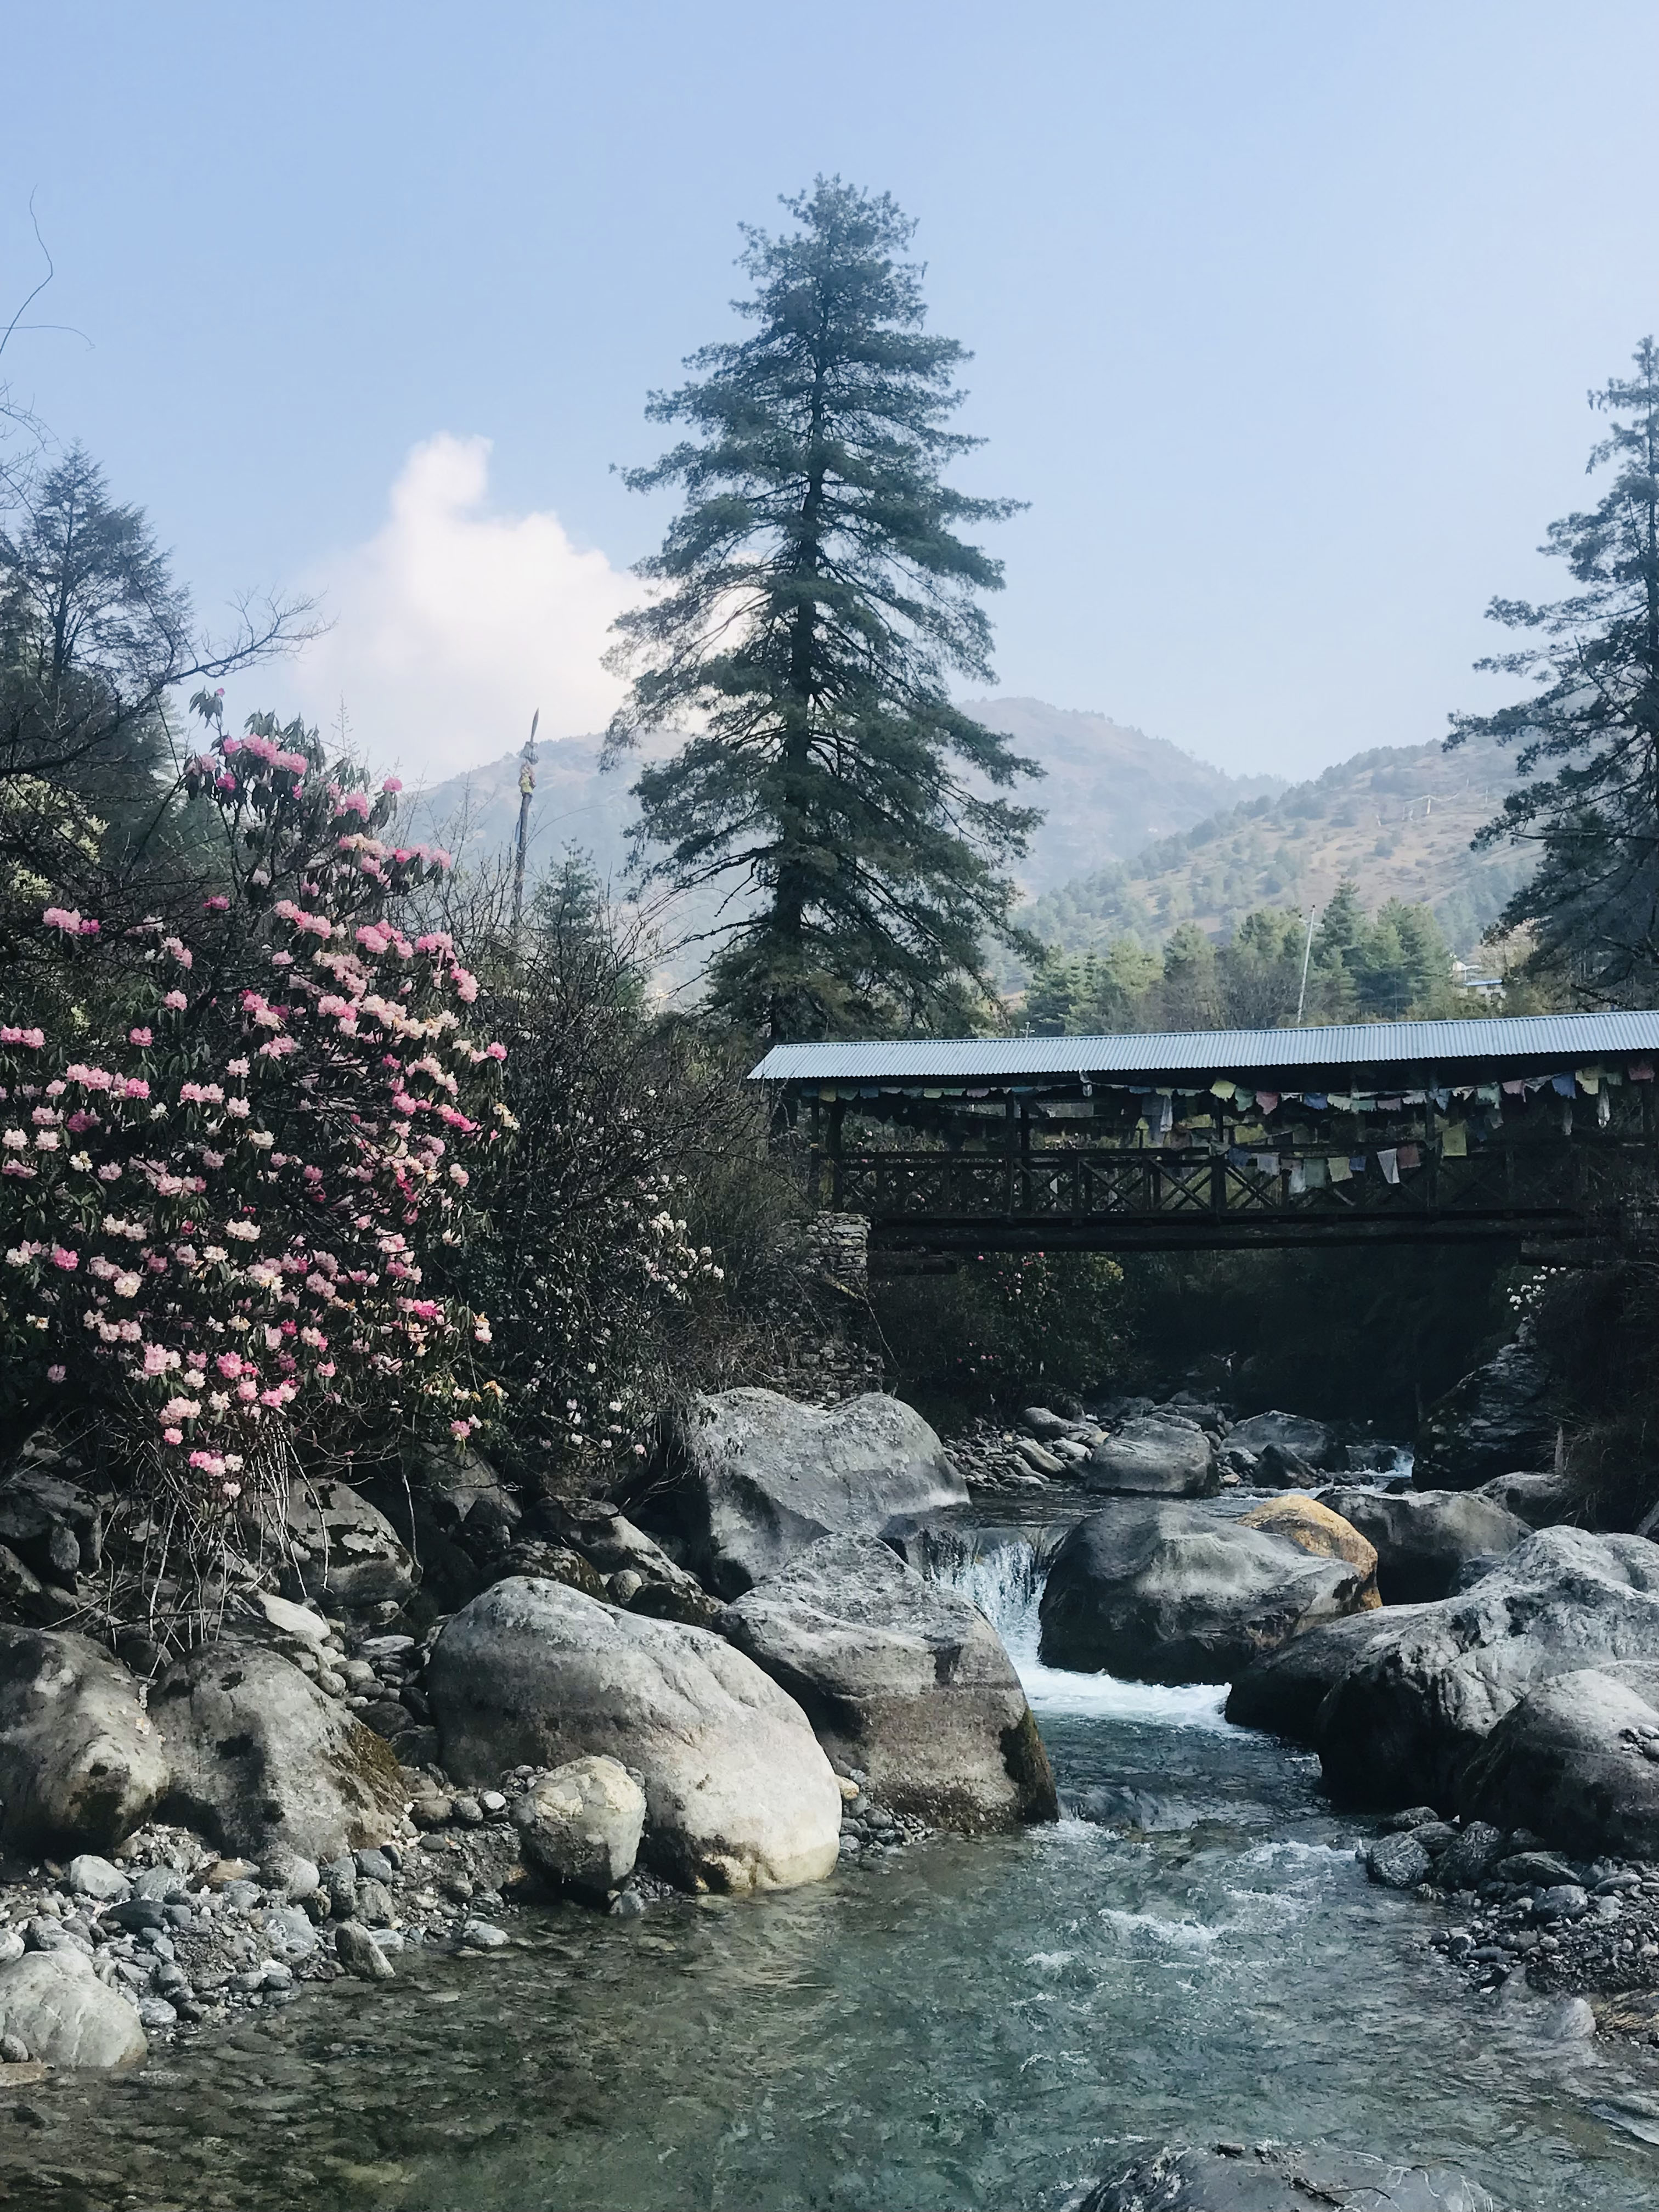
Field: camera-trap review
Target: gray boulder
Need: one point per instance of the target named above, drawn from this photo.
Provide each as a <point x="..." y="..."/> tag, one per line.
<point x="1409" y="1697"/>
<point x="744" y="1479"/>
<point x="1469" y="1858"/>
<point x="1160" y="1592"/>
<point x="345" y="1553"/>
<point x="1154" y="1456"/>
<point x="738" y="1795"/>
<point x="1398" y="1861"/>
<point x="579" y="1827"/>
<point x="56" y="2006"/>
<point x="1539" y="1499"/>
<point x="80" y="1764"/>
<point x="1577" y="1761"/>
<point x="1307" y="1440"/>
<point x="903" y="1678"/>
<point x="1283" y="1690"/>
<point x="1425" y="1538"/>
<point x="261" y="1757"/>
<point x="1498" y="1417"/>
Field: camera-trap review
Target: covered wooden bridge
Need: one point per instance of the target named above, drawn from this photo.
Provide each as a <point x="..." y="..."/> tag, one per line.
<point x="1539" y="1131"/>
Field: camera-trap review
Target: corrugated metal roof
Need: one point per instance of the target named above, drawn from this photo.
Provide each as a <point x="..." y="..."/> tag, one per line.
<point x="1539" y="1040"/>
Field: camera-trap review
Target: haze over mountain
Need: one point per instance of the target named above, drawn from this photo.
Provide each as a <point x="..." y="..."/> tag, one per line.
<point x="1107" y="790"/>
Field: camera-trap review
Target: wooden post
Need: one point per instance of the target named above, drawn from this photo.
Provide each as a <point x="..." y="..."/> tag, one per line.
<point x="1009" y="1151"/>
<point x="815" y="1154"/>
<point x="836" y="1112"/>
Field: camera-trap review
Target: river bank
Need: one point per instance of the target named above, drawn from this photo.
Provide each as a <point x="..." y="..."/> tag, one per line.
<point x="1226" y="1974"/>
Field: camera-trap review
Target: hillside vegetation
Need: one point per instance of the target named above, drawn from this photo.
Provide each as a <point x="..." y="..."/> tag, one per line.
<point x="1397" y="823"/>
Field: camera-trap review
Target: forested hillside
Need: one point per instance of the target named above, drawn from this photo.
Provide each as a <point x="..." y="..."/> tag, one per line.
<point x="1396" y="822"/>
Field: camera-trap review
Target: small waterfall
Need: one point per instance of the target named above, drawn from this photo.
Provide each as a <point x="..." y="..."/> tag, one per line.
<point x="1003" y="1571"/>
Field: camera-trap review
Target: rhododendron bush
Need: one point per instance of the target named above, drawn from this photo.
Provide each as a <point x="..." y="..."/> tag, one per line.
<point x="221" y="1189"/>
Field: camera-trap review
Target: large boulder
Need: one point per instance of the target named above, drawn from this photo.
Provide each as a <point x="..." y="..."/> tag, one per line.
<point x="80" y="1763"/>
<point x="1307" y="1440"/>
<point x="1497" y="1419"/>
<point x="903" y="1678"/>
<point x="744" y="1479"/>
<point x="1316" y="1528"/>
<point x="1159" y="1455"/>
<point x="1577" y="1762"/>
<point x="1283" y="1690"/>
<point x="56" y="2006"/>
<point x="738" y="1795"/>
<point x="1161" y="1592"/>
<point x="260" y="1756"/>
<point x="1407" y="1701"/>
<point x="345" y="1553"/>
<point x="1539" y="1498"/>
<point x="1424" y="1540"/>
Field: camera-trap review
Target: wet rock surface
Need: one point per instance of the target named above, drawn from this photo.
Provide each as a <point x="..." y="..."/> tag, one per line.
<point x="1164" y="1593"/>
<point x="903" y="1678"/>
<point x="1425" y="1539"/>
<point x="740" y="1796"/>
<point x="745" y="1479"/>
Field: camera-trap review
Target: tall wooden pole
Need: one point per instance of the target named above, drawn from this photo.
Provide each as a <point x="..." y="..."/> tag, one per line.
<point x="526" y="786"/>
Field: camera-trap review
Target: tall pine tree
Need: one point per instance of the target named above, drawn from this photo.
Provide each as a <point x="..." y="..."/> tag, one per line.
<point x="1588" y="740"/>
<point x="815" y="595"/>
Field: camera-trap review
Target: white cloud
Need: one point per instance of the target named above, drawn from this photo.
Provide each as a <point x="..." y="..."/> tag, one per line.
<point x="452" y="625"/>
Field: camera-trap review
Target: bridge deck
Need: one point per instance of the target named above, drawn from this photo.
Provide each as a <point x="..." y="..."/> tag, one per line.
<point x="1538" y="1129"/>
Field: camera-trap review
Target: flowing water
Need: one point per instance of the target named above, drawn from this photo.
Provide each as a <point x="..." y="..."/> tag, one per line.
<point x="968" y="2024"/>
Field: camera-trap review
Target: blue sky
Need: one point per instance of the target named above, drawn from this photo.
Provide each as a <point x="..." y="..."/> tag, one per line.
<point x="1284" y="317"/>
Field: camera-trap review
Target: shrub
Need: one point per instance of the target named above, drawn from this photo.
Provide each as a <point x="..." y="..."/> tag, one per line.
<point x="223" y="1179"/>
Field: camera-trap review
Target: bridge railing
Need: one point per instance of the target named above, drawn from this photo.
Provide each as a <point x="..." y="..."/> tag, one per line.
<point x="1525" y="1182"/>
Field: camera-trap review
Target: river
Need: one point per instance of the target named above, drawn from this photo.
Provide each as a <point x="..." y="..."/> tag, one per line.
<point x="964" y="2024"/>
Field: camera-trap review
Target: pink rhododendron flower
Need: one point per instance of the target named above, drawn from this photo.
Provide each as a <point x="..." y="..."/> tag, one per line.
<point x="139" y="1036"/>
<point x="172" y="1435"/>
<point x="68" y="1261"/>
<point x="175" y="1002"/>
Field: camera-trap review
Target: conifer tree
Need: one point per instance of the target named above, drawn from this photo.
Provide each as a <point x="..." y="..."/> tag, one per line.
<point x="1587" y="738"/>
<point x="815" y="596"/>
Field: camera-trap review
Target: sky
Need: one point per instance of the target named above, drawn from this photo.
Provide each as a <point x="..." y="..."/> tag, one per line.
<point x="1283" y="317"/>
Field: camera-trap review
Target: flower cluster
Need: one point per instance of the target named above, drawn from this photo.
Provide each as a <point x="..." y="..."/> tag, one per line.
<point x="215" y="1220"/>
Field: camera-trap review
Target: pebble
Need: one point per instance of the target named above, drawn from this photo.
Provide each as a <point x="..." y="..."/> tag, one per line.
<point x="492" y="1801"/>
<point x="484" y="1936"/>
<point x="156" y="2013"/>
<point x="467" y="1810"/>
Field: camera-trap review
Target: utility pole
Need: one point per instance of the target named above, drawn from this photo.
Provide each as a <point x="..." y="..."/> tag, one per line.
<point x="1307" y="951"/>
<point x="526" y="786"/>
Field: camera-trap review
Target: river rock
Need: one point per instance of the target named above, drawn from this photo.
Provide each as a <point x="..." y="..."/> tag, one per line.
<point x="1408" y="1702"/>
<point x="579" y="1827"/>
<point x="1280" y="2178"/>
<point x="1154" y="1456"/>
<point x="1427" y="1540"/>
<point x="360" y="1955"/>
<point x="1577" y="1760"/>
<point x="54" y="2003"/>
<point x="1469" y="1858"/>
<point x="261" y="1757"/>
<point x="1497" y="1419"/>
<point x="1398" y="1861"/>
<point x="1540" y="1499"/>
<point x="745" y="1479"/>
<point x="80" y="1764"/>
<point x="1323" y="1533"/>
<point x="613" y="1544"/>
<point x="95" y="1877"/>
<point x="1284" y="1690"/>
<point x="1161" y="1592"/>
<point x="738" y="1794"/>
<point x="347" y="1554"/>
<point x="1307" y="1440"/>
<point x="902" y="1678"/>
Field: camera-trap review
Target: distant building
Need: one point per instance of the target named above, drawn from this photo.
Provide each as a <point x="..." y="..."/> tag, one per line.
<point x="1468" y="977"/>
